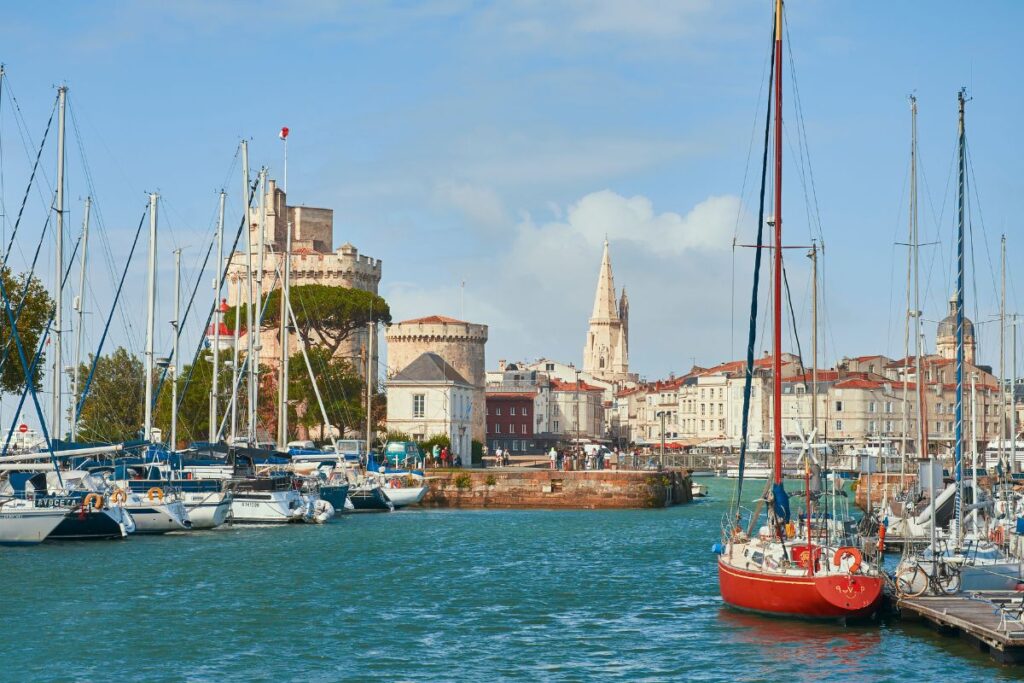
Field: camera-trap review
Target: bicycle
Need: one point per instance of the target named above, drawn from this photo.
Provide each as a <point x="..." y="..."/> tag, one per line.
<point x="913" y="581"/>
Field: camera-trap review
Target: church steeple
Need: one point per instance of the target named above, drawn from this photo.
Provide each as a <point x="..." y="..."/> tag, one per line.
<point x="606" y="352"/>
<point x="604" y="299"/>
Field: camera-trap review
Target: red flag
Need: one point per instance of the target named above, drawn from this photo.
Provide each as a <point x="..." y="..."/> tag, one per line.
<point x="283" y="134"/>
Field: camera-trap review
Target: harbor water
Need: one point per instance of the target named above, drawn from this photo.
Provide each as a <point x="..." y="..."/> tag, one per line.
<point x="433" y="595"/>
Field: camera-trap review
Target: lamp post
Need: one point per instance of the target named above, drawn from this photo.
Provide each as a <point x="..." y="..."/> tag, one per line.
<point x="661" y="414"/>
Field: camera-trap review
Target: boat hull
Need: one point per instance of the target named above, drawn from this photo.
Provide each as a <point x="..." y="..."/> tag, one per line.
<point x="266" y="507"/>
<point x="370" y="500"/>
<point x="406" y="496"/>
<point x="159" y="518"/>
<point x="28" y="526"/>
<point x="831" y="596"/>
<point x="335" y="494"/>
<point x="91" y="525"/>
<point x="207" y="510"/>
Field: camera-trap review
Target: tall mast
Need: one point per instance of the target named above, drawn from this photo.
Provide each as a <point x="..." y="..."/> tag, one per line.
<point x="814" y="338"/>
<point x="282" y="383"/>
<point x="911" y="315"/>
<point x="147" y="430"/>
<point x="958" y="450"/>
<point x="1013" y="393"/>
<point x="58" y="299"/>
<point x="176" y="324"/>
<point x="257" y="307"/>
<point x="1002" y="353"/>
<point x="248" y="281"/>
<point x="777" y="257"/>
<point x="79" y="310"/>
<point x="214" y="435"/>
<point x="369" y="386"/>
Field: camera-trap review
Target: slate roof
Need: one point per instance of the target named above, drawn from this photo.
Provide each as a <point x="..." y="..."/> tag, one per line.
<point x="430" y="367"/>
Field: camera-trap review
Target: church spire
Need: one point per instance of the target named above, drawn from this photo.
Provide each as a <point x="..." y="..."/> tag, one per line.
<point x="605" y="307"/>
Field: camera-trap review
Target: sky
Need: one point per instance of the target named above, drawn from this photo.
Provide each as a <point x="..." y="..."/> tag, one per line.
<point x="485" y="150"/>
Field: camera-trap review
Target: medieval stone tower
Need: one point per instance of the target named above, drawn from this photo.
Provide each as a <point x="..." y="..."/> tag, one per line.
<point x="606" y="351"/>
<point x="459" y="343"/>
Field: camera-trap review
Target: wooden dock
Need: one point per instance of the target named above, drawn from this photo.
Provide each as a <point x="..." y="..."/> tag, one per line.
<point x="993" y="621"/>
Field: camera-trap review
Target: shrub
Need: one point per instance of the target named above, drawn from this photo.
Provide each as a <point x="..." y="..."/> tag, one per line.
<point x="491" y="481"/>
<point x="463" y="481"/>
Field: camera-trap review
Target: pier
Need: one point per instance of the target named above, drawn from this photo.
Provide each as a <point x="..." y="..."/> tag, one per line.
<point x="514" y="487"/>
<point x="992" y="621"/>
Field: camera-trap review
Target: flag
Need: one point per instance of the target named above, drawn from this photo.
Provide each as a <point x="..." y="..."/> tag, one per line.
<point x="283" y="134"/>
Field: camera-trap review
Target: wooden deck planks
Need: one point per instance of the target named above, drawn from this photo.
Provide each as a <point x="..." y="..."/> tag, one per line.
<point x="978" y="617"/>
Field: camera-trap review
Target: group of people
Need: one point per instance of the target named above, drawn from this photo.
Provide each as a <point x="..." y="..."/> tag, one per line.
<point x="601" y="459"/>
<point x="502" y="457"/>
<point x="441" y="456"/>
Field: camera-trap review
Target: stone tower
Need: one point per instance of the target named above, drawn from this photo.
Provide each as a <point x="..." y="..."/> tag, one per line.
<point x="314" y="261"/>
<point x="606" y="351"/>
<point x="459" y="343"/>
<point x="945" y="335"/>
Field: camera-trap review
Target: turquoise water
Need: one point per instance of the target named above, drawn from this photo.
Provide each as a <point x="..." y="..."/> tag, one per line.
<point x="432" y="595"/>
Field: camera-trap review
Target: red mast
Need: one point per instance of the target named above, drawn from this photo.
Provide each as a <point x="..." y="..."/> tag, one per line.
<point x="777" y="321"/>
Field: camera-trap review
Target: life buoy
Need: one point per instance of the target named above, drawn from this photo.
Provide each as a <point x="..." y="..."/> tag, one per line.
<point x="93" y="500"/>
<point x="843" y="553"/>
<point x="155" y="492"/>
<point x="118" y="496"/>
<point x="996" y="535"/>
<point x="395" y="483"/>
<point x="881" y="538"/>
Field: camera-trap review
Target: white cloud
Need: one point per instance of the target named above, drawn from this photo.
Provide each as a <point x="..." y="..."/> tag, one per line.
<point x="481" y="205"/>
<point x="536" y="290"/>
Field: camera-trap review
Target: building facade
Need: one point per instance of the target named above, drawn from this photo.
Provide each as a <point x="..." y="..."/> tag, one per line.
<point x="459" y="343"/>
<point x="606" y="351"/>
<point x="428" y="398"/>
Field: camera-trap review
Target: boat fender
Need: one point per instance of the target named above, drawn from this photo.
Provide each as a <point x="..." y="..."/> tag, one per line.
<point x="118" y="496"/>
<point x="844" y="552"/>
<point x="881" y="538"/>
<point x="93" y="500"/>
<point x="155" y="492"/>
<point x="718" y="548"/>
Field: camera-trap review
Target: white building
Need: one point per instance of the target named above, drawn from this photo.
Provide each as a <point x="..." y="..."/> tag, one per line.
<point x="429" y="397"/>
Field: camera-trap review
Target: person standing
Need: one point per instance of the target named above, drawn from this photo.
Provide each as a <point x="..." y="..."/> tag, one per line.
<point x="553" y="455"/>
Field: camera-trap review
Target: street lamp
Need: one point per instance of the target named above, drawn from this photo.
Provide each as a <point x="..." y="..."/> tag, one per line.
<point x="661" y="414"/>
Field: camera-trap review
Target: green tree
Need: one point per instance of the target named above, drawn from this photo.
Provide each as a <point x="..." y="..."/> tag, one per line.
<point x="326" y="315"/>
<point x="113" y="410"/>
<point x="32" y="322"/>
<point x="340" y="387"/>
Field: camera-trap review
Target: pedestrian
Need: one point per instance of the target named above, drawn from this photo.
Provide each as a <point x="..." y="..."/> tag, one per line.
<point x="561" y="459"/>
<point x="437" y="454"/>
<point x="497" y="456"/>
<point x="444" y="457"/>
<point x="553" y="455"/>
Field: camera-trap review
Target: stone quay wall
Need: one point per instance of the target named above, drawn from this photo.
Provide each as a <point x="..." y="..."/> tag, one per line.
<point x="553" y="489"/>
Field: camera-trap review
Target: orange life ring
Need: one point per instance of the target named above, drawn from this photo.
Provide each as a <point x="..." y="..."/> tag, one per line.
<point x="845" y="552"/>
<point x="395" y="483"/>
<point x="93" y="500"/>
<point x="996" y="535"/>
<point x="155" y="492"/>
<point x="118" y="496"/>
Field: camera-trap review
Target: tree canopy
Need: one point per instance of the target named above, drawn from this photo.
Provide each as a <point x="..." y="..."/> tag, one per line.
<point x="326" y="315"/>
<point x="113" y="411"/>
<point x="32" y="320"/>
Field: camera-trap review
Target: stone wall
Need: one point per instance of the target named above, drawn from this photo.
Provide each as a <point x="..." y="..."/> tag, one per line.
<point x="528" y="488"/>
<point x="461" y="344"/>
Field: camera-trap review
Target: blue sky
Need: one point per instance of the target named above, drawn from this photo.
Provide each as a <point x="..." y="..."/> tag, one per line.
<point x="498" y="143"/>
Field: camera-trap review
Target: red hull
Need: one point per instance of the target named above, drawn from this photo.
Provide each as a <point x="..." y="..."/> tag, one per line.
<point x="834" y="596"/>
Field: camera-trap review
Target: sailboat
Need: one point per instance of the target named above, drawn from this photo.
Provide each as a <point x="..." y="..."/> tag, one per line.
<point x="977" y="562"/>
<point x="773" y="572"/>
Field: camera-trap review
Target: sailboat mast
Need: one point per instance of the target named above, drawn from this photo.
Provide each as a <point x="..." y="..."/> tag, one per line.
<point x="79" y="310"/>
<point x="910" y="275"/>
<point x="369" y="386"/>
<point x="257" y="307"/>
<point x="248" y="282"/>
<point x="176" y="324"/>
<point x="958" y="450"/>
<point x="217" y="321"/>
<point x="814" y="338"/>
<point x="777" y="257"/>
<point x="1002" y="352"/>
<point x="283" y="303"/>
<point x="58" y="299"/>
<point x="150" y="319"/>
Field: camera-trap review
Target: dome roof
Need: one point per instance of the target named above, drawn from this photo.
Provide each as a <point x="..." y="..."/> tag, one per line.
<point x="947" y="326"/>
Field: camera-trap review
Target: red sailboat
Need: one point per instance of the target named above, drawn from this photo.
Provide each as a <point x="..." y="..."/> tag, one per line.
<point x="786" y="569"/>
